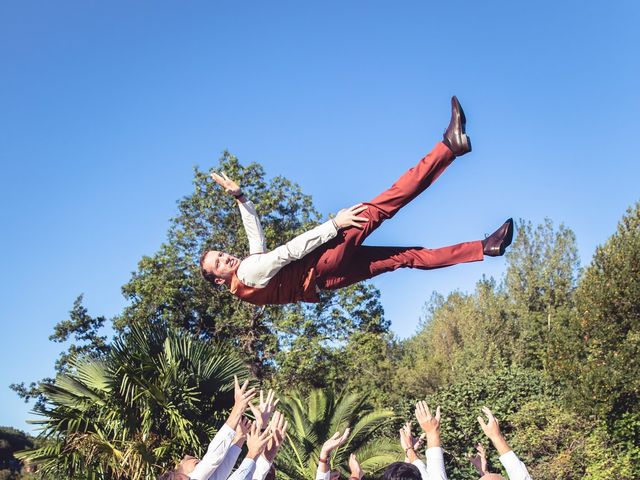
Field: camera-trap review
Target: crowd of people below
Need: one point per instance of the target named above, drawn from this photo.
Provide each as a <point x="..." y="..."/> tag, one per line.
<point x="267" y="432"/>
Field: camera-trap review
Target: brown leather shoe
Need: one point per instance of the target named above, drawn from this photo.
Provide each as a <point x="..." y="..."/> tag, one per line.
<point x="455" y="137"/>
<point x="496" y="243"/>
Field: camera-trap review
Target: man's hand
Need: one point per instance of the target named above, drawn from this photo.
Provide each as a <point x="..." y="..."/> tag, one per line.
<point x="354" y="466"/>
<point x="406" y="437"/>
<point x="278" y="427"/>
<point x="225" y="182"/>
<point x="334" y="442"/>
<point x="257" y="441"/>
<point x="407" y="443"/>
<point x="265" y="407"/>
<point x="429" y="423"/>
<point x="479" y="460"/>
<point x="242" y="398"/>
<point x="491" y="429"/>
<point x="349" y="217"/>
<point x="242" y="429"/>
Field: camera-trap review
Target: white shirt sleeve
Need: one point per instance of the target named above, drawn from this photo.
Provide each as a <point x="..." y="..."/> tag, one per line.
<point x="435" y="464"/>
<point x="245" y="470"/>
<point x="323" y="475"/>
<point x="516" y="470"/>
<point x="251" y="223"/>
<point x="262" y="468"/>
<point x="257" y="270"/>
<point x="422" y="467"/>
<point x="215" y="454"/>
<point x="223" y="471"/>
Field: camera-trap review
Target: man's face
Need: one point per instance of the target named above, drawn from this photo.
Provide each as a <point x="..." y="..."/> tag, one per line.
<point x="220" y="264"/>
<point x="187" y="464"/>
<point x="492" y="476"/>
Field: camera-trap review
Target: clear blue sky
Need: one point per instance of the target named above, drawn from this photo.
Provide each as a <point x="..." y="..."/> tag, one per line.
<point x="106" y="106"/>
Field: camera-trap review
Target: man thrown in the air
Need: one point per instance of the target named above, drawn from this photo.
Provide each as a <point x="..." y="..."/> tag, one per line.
<point x="331" y="255"/>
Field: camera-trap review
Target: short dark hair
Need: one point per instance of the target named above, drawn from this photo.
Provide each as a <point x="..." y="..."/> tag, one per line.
<point x="401" y="471"/>
<point x="172" y="475"/>
<point x="208" y="276"/>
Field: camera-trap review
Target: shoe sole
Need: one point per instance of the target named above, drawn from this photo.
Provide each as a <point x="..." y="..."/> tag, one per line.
<point x="508" y="237"/>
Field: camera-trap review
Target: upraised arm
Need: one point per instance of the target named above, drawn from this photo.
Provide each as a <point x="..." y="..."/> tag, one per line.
<point x="250" y="219"/>
<point x="516" y="470"/>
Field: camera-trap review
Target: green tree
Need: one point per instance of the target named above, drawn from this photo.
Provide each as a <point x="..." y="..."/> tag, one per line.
<point x="602" y="365"/>
<point x="542" y="272"/>
<point x="157" y="394"/>
<point x="314" y="417"/>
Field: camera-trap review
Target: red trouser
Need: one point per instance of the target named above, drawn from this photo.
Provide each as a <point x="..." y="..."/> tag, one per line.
<point x="345" y="260"/>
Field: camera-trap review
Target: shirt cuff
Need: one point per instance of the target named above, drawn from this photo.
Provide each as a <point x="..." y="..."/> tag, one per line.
<point x="323" y="475"/>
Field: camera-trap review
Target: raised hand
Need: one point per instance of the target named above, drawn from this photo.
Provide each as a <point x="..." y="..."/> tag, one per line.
<point x="429" y="423"/>
<point x="242" y="397"/>
<point x="479" y="460"/>
<point x="334" y="442"/>
<point x="278" y="427"/>
<point x="265" y="407"/>
<point x="225" y="182"/>
<point x="354" y="466"/>
<point x="407" y="442"/>
<point x="348" y="217"/>
<point x="257" y="441"/>
<point x="242" y="429"/>
<point x="491" y="429"/>
<point x="406" y="437"/>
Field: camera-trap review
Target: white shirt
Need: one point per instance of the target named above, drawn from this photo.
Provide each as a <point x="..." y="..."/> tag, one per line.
<point x="223" y="471"/>
<point x="262" y="468"/>
<point x="434" y="469"/>
<point x="516" y="470"/>
<point x="245" y="470"/>
<point x="261" y="266"/>
<point x="320" y="475"/>
<point x="215" y="454"/>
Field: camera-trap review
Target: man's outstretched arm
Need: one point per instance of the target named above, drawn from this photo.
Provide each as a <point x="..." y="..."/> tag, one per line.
<point x="250" y="219"/>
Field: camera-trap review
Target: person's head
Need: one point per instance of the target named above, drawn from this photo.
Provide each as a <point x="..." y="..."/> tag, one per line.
<point x="173" y="475"/>
<point x="401" y="471"/>
<point x="182" y="470"/>
<point x="492" y="476"/>
<point x="217" y="267"/>
<point x="334" y="475"/>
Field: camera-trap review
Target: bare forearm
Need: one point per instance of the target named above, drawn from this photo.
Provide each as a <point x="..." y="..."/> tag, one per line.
<point x="433" y="440"/>
<point x="500" y="443"/>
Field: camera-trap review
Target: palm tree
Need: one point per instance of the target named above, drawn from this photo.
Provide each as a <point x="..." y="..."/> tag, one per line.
<point x="157" y="394"/>
<point x="313" y="418"/>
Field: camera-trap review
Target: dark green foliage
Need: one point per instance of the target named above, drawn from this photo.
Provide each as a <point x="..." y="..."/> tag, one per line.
<point x="156" y="395"/>
<point x="314" y="417"/>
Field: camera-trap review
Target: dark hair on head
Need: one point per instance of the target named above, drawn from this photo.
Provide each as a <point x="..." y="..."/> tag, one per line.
<point x="401" y="471"/>
<point x="209" y="277"/>
<point x="172" y="475"/>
